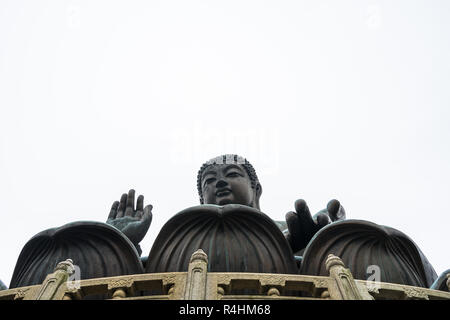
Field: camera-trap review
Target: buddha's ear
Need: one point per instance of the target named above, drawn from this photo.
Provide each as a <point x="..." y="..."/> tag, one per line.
<point x="258" y="190"/>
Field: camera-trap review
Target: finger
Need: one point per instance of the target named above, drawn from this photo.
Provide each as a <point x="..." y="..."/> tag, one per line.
<point x="291" y="221"/>
<point x="296" y="231"/>
<point x="121" y="209"/>
<point x="322" y="219"/>
<point x="130" y="199"/>
<point x="333" y="207"/>
<point x="129" y="210"/>
<point x="341" y="215"/>
<point x="113" y="212"/>
<point x="335" y="210"/>
<point x="140" y="203"/>
<point x="139" y="214"/>
<point x="307" y="226"/>
<point x="144" y="224"/>
<point x="302" y="210"/>
<point x="147" y="216"/>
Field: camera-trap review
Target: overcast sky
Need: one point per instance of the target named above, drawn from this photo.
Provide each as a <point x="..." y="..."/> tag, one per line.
<point x="327" y="99"/>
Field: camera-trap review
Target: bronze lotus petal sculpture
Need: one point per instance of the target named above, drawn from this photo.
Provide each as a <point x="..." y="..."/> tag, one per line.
<point x="363" y="245"/>
<point x="98" y="249"/>
<point x="236" y="238"/>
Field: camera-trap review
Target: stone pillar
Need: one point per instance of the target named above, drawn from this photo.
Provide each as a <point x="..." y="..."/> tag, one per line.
<point x="52" y="288"/>
<point x="346" y="286"/>
<point x="196" y="277"/>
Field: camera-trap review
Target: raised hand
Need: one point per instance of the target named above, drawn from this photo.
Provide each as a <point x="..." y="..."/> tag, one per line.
<point x="134" y="223"/>
<point x="334" y="212"/>
<point x="302" y="226"/>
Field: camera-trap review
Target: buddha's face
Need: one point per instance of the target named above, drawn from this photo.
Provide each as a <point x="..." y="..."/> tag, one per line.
<point x="228" y="183"/>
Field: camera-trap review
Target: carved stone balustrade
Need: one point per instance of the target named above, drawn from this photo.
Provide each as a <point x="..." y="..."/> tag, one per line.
<point x="198" y="283"/>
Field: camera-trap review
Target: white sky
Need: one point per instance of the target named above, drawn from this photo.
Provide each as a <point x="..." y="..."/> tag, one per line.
<point x="327" y="99"/>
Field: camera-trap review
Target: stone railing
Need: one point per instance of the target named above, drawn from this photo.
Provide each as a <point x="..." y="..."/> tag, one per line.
<point x="199" y="284"/>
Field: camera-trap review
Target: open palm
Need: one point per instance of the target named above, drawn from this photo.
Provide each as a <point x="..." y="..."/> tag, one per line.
<point x="134" y="223"/>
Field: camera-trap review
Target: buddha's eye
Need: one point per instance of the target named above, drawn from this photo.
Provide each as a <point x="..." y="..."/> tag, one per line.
<point x="233" y="174"/>
<point x="210" y="180"/>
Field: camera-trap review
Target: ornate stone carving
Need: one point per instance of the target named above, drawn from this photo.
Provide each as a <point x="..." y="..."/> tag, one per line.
<point x="274" y="281"/>
<point x="223" y="279"/>
<point x="50" y="288"/>
<point x="120" y="283"/>
<point x="372" y="288"/>
<point x="320" y="283"/>
<point x="169" y="279"/>
<point x="20" y="294"/>
<point x="416" y="293"/>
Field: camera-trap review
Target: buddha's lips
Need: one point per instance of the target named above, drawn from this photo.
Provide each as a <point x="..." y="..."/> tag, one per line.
<point x="223" y="192"/>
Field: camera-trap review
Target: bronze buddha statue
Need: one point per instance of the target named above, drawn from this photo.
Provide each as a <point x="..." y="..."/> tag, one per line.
<point x="230" y="227"/>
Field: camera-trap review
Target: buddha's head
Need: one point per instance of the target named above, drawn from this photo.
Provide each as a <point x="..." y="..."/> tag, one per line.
<point x="228" y="179"/>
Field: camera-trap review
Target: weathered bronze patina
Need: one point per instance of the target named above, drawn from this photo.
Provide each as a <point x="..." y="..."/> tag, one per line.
<point x="98" y="249"/>
<point x="230" y="228"/>
<point x="236" y="238"/>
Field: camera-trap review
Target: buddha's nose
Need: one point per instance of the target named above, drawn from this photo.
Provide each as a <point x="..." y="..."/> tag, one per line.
<point x="221" y="183"/>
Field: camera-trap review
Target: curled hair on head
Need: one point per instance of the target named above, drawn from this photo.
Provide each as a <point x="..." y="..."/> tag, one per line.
<point x="227" y="159"/>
